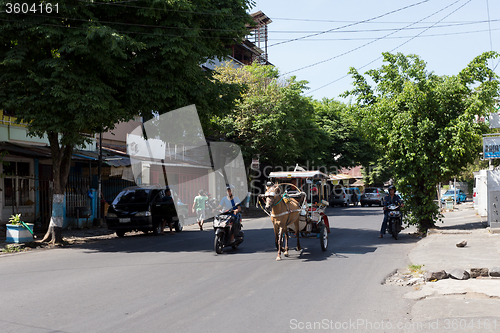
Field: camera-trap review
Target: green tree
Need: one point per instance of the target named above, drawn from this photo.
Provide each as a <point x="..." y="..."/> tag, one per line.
<point x="271" y="117"/>
<point x="425" y="125"/>
<point x="88" y="64"/>
<point x="342" y="142"/>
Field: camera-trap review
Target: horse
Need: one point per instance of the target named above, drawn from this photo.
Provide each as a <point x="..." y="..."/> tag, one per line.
<point x="285" y="211"/>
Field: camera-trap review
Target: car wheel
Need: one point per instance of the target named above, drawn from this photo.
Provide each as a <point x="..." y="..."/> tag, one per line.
<point x="120" y="233"/>
<point x="369" y="205"/>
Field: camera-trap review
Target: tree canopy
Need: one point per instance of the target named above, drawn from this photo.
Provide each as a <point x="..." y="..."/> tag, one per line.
<point x="87" y="65"/>
<point x="273" y="119"/>
<point x="424" y="125"/>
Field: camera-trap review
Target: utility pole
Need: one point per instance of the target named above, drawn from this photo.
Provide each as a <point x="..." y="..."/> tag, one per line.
<point x="99" y="178"/>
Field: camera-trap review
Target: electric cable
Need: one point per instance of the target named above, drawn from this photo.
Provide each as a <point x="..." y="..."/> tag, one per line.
<point x="373" y="41"/>
<point x="399" y="37"/>
<point x="392" y="49"/>
<point x="349" y="25"/>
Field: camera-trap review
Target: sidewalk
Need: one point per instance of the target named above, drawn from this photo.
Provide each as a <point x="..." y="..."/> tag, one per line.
<point x="473" y="298"/>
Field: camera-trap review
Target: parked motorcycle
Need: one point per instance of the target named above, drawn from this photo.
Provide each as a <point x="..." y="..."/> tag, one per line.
<point x="210" y="205"/>
<point x="394" y="220"/>
<point x="223" y="225"/>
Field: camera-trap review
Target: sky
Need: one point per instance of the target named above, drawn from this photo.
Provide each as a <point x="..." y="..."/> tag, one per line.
<point x="446" y="34"/>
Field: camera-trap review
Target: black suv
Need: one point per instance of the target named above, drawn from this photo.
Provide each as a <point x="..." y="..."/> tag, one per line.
<point x="142" y="208"/>
<point x="372" y="196"/>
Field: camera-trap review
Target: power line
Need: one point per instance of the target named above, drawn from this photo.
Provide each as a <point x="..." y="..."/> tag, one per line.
<point x="373" y="41"/>
<point x="124" y="32"/>
<point x="122" y="23"/>
<point x="396" y="37"/>
<point x="118" y="4"/>
<point x="340" y="21"/>
<point x="348" y="25"/>
<point x="393" y="48"/>
<point x="489" y="27"/>
<point x="458" y="24"/>
<point x="282" y="31"/>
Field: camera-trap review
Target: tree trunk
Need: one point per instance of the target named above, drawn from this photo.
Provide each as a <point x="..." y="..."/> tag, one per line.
<point x="426" y="223"/>
<point x="61" y="163"/>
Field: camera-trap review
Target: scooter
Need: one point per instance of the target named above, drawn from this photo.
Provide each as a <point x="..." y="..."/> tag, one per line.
<point x="223" y="225"/>
<point x="394" y="220"/>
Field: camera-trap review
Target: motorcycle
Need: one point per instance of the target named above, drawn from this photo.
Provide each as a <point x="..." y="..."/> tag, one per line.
<point x="210" y="205"/>
<point x="223" y="225"/>
<point x="394" y="220"/>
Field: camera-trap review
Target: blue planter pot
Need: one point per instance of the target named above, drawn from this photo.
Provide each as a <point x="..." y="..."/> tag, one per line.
<point x="18" y="233"/>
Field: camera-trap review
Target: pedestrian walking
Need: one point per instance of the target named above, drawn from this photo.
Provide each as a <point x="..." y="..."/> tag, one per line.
<point x="199" y="206"/>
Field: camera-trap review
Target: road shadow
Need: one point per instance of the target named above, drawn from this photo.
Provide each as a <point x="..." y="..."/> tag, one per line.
<point x="342" y="242"/>
<point x="463" y="226"/>
<point x="356" y="210"/>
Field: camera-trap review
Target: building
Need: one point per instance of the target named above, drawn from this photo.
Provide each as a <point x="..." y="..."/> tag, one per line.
<point x="252" y="49"/>
<point x="26" y="181"/>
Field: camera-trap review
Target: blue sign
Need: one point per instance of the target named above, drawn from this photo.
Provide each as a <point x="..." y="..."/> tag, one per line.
<point x="491" y="147"/>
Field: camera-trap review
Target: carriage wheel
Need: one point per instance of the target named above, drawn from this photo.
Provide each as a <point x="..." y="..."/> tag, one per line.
<point x="323" y="238"/>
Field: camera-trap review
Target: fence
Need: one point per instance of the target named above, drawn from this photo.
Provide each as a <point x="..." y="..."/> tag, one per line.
<point x="78" y="201"/>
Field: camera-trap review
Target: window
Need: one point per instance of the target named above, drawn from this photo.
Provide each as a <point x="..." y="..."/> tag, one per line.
<point x="138" y="196"/>
<point x="16" y="183"/>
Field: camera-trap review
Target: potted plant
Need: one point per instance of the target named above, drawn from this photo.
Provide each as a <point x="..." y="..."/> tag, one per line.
<point x="19" y="231"/>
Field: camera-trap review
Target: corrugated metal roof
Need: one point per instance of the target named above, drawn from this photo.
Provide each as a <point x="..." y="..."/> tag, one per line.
<point x="25" y="150"/>
<point x="340" y="176"/>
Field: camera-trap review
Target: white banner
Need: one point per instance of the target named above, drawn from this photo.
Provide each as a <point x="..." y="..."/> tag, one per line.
<point x="494" y="120"/>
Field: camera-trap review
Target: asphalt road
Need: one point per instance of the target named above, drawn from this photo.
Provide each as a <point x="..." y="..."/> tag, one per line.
<point x="176" y="283"/>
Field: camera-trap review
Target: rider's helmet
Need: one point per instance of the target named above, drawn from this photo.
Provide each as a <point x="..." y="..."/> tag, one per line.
<point x="392" y="187"/>
<point x="314" y="190"/>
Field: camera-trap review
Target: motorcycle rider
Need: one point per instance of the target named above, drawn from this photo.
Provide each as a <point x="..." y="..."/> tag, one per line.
<point x="391" y="198"/>
<point x="229" y="202"/>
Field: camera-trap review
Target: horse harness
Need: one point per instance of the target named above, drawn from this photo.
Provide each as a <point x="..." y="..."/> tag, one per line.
<point x="286" y="198"/>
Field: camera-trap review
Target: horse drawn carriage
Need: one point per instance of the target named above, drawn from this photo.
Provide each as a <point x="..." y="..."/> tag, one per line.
<point x="297" y="204"/>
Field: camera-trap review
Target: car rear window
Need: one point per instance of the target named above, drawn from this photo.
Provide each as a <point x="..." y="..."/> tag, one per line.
<point x="371" y="190"/>
<point x="132" y="197"/>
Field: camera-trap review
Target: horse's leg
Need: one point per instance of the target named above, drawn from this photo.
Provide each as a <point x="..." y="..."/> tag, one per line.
<point x="279" y="244"/>
<point x="297" y="233"/>
<point x="286" y="242"/>
<point x="276" y="234"/>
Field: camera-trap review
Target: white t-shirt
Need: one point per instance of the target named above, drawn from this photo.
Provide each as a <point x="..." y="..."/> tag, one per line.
<point x="226" y="203"/>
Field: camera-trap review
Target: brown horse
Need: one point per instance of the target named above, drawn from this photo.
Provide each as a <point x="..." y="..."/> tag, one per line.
<point x="285" y="211"/>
